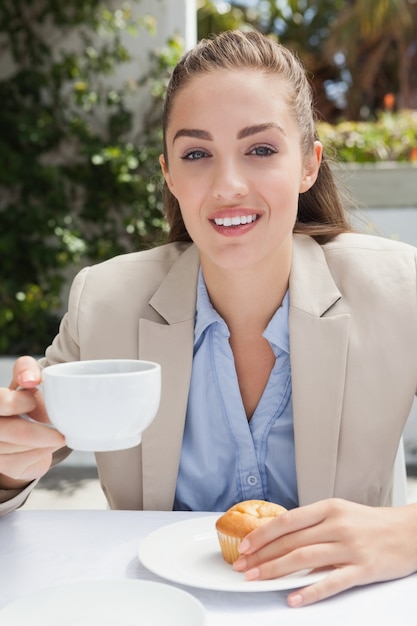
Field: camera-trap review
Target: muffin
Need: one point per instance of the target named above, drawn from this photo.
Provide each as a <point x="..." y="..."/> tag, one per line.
<point x="240" y="520"/>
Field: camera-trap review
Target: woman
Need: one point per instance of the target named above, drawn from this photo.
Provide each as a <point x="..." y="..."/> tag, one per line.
<point x="288" y="344"/>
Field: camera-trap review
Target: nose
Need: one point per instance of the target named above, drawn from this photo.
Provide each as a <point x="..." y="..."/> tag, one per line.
<point x="229" y="180"/>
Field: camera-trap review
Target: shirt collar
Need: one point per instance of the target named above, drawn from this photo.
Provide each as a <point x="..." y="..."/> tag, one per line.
<point x="206" y="314"/>
<point x="276" y="331"/>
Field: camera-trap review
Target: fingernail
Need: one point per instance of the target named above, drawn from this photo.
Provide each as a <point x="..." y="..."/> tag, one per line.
<point x="253" y="574"/>
<point x="244" y="545"/>
<point x="240" y="564"/>
<point x="27" y="376"/>
<point x="295" y="600"/>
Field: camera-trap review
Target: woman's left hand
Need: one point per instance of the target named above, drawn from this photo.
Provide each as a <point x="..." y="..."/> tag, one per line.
<point x="363" y="544"/>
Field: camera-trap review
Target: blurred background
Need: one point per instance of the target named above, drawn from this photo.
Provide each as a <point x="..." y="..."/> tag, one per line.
<point x="81" y="88"/>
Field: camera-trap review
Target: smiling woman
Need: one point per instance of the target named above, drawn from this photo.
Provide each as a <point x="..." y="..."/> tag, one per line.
<point x="287" y="342"/>
<point x="321" y="211"/>
<point x="246" y="161"/>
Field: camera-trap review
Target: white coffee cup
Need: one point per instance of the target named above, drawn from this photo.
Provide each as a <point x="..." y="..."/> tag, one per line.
<point x="104" y="404"/>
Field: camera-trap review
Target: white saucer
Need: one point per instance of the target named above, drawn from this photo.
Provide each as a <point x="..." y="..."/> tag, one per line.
<point x="105" y="603"/>
<point x="188" y="553"/>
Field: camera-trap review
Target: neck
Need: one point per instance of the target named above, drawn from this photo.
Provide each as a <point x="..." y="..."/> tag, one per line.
<point x="248" y="296"/>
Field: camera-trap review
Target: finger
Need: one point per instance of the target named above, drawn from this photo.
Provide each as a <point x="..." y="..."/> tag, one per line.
<point x="15" y="430"/>
<point x="336" y="581"/>
<point x="23" y="402"/>
<point x="15" y="402"/>
<point x="27" y="465"/>
<point x="26" y="373"/>
<point x="286" y="523"/>
<point x="13" y="448"/>
<point x="307" y="558"/>
<point x="39" y="413"/>
<point x="323" y="533"/>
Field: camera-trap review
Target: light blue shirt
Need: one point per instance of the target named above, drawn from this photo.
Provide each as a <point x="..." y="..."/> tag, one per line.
<point x="225" y="458"/>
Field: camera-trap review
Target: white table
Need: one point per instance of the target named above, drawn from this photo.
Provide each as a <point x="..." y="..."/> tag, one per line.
<point x="39" y="549"/>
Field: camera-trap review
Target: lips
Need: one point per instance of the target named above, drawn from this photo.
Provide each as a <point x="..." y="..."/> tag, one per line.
<point x="234" y="223"/>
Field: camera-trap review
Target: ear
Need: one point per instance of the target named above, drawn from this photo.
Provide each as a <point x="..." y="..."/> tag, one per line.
<point x="311" y="168"/>
<point x="165" y="173"/>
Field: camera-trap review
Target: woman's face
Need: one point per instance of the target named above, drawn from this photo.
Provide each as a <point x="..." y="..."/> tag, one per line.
<point x="236" y="168"/>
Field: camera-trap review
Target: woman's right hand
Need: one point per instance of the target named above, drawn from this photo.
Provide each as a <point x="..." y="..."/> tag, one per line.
<point x="26" y="447"/>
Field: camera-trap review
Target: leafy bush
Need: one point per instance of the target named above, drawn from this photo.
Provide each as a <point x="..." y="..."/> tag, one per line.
<point x="76" y="184"/>
<point x="392" y="137"/>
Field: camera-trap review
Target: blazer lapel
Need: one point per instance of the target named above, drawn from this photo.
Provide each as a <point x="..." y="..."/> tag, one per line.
<point x="319" y="328"/>
<point x="318" y="341"/>
<point x="169" y="343"/>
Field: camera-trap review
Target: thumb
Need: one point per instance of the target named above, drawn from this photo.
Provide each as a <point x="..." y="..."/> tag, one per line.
<point x="26" y="373"/>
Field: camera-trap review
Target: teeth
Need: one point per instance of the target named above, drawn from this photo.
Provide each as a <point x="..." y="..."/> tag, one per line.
<point x="235" y="221"/>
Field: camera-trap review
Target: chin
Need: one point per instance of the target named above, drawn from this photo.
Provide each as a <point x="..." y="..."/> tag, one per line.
<point x="233" y="260"/>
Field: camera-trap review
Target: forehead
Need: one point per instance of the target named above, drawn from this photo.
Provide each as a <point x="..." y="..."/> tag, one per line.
<point x="242" y="93"/>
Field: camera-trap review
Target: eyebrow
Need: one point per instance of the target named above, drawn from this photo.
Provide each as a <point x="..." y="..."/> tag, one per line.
<point x="193" y="132"/>
<point x="245" y="132"/>
<point x="258" y="128"/>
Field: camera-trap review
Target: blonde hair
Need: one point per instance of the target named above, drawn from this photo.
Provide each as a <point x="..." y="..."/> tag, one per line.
<point x="320" y="209"/>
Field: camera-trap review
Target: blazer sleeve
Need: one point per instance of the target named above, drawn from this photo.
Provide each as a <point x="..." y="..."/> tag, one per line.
<point x="63" y="348"/>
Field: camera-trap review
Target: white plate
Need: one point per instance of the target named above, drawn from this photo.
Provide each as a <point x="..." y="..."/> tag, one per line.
<point x="188" y="553"/>
<point x="105" y="603"/>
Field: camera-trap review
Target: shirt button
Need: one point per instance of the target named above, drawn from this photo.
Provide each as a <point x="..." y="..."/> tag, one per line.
<point x="252" y="481"/>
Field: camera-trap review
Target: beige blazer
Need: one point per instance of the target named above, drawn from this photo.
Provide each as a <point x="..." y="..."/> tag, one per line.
<point x="353" y="340"/>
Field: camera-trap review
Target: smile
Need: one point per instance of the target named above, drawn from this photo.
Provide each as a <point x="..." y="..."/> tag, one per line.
<point x="236" y="220"/>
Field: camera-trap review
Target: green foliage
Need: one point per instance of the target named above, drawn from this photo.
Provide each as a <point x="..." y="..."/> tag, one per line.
<point x="78" y="182"/>
<point x="302" y="25"/>
<point x="356" y="52"/>
<point x="391" y="137"/>
<point x="213" y="19"/>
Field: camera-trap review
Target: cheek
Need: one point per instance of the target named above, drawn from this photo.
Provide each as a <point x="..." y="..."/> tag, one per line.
<point x="190" y="215"/>
<point x="190" y="193"/>
<point x="178" y="184"/>
<point x="284" y="191"/>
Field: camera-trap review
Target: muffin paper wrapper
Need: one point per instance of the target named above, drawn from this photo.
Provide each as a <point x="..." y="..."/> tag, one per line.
<point x="229" y="547"/>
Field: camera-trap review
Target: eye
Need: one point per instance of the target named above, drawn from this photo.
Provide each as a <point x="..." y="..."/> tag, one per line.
<point x="194" y="155"/>
<point x="263" y="151"/>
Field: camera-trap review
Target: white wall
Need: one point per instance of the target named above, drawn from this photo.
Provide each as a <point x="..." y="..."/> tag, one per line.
<point x="173" y="17"/>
